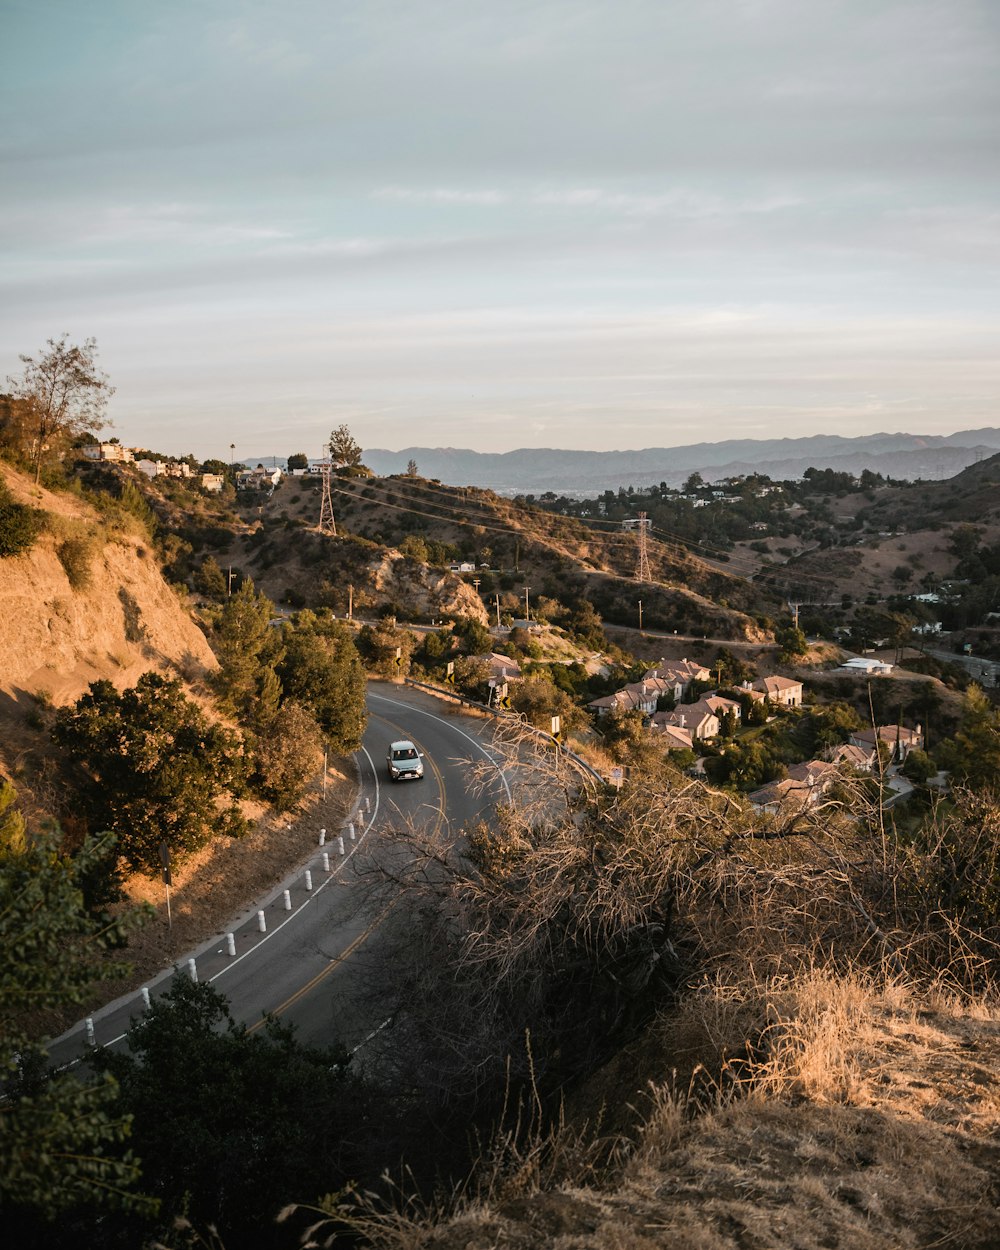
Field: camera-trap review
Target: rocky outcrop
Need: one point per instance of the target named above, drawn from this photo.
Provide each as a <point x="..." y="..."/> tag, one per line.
<point x="419" y="590"/>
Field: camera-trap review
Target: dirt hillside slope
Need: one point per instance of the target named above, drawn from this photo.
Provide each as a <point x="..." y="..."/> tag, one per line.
<point x="87" y="601"/>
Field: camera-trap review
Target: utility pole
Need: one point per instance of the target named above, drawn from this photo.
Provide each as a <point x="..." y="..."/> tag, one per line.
<point x="229" y="589"/>
<point x="475" y="582"/>
<point x="640" y="616"/>
<point x="527" y="610"/>
<point x="350" y="602"/>
<point x="795" y="614"/>
<point x="498" y="609"/>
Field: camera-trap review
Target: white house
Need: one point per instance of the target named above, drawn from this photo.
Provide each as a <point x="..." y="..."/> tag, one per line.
<point x="865" y="664"/>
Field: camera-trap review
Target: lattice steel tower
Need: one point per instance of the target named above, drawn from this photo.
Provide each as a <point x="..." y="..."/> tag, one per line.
<point x="642" y="563"/>
<point x="327" y="524"/>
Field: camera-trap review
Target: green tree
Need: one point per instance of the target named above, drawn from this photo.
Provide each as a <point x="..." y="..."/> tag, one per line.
<point x="66" y="394"/>
<point x="973" y="754"/>
<point x="473" y="636"/>
<point x="232" y="1122"/>
<point x="61" y="1139"/>
<point x="792" y="641"/>
<point x="298" y="460"/>
<point x="322" y="670"/>
<point x="378" y="645"/>
<point x="345" y="451"/>
<point x="538" y="699"/>
<point x="19" y="524"/>
<point x="248" y="649"/>
<point x="209" y="579"/>
<point x="286" y="754"/>
<point x="152" y="768"/>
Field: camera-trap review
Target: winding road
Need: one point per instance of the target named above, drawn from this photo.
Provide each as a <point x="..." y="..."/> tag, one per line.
<point x="304" y="964"/>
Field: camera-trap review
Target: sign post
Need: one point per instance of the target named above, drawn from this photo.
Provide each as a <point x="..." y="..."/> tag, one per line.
<point x="557" y="730"/>
<point x="165" y="861"/>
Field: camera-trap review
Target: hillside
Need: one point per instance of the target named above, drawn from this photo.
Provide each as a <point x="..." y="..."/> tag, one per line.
<point x="398" y="536"/>
<point x="88" y="601"/>
<point x="906" y="526"/>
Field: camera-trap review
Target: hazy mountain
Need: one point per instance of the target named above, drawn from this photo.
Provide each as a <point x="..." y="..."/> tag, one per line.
<point x="910" y="456"/>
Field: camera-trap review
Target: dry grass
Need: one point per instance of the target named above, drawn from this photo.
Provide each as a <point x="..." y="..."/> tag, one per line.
<point x="870" y="1121"/>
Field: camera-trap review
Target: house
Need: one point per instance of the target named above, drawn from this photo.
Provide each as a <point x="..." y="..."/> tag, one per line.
<point x="638" y="696"/>
<point x="804" y="786"/>
<point x="865" y="664"/>
<point x="674" y="737"/>
<point x="213" y="482"/>
<point x="110" y="453"/>
<point x="852" y="756"/>
<point x="782" y="691"/>
<point x="698" y="718"/>
<point x="502" y="668"/>
<point x="898" y="738"/>
<point x="678" y="674"/>
<point x="151" y="468"/>
<point x="258" y="479"/>
<point x="466" y="566"/>
<point x="720" y="706"/>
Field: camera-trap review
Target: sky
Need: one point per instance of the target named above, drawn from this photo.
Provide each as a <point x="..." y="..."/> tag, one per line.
<point x="495" y="225"/>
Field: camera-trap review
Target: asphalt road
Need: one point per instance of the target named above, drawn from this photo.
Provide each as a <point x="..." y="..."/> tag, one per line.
<point x="306" y="966"/>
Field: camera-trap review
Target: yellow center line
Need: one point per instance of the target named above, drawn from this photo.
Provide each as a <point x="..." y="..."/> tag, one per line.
<point x="438" y="775"/>
<point x="358" y="941"/>
<point x="325" y="972"/>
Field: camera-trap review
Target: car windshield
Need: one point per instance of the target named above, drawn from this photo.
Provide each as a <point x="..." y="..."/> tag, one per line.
<point x="407" y="753"/>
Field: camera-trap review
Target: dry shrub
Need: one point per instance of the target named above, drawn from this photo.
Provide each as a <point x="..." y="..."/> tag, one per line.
<point x="76" y="554"/>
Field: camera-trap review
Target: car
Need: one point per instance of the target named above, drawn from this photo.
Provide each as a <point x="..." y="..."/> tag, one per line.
<point x="404" y="761"/>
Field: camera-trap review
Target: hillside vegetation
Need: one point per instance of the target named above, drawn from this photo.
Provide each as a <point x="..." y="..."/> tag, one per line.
<point x="510" y="544"/>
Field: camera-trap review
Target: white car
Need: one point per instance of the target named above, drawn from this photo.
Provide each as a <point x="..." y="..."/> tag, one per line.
<point x="404" y="761"/>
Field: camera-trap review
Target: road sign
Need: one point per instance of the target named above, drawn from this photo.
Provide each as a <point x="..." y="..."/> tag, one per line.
<point x="450" y="673"/>
<point x="617" y="776"/>
<point x="399" y="657"/>
<point x="557" y="728"/>
<point x="165" y="861"/>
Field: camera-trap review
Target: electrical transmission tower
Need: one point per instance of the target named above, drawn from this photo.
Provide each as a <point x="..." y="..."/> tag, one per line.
<point x="327" y="525"/>
<point x="642" y="563"/>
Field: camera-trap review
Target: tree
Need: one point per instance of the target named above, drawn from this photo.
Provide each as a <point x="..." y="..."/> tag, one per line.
<point x="248" y="649"/>
<point x="298" y="460"/>
<point x="229" y="1122"/>
<point x="19" y="524"/>
<point x="66" y="392"/>
<point x="152" y="768"/>
<point x="411" y="468"/>
<point x="322" y="670"/>
<point x="209" y="579"/>
<point x="285" y="754"/>
<point x="60" y="1138"/>
<point x="344" y="450"/>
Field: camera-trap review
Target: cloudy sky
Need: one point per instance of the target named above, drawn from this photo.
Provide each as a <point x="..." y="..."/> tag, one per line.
<point x="507" y="224"/>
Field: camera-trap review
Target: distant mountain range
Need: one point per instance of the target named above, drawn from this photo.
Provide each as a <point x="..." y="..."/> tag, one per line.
<point x="535" y="470"/>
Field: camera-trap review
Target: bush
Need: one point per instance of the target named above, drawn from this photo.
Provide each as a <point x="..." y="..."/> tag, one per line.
<point x="19" y="525"/>
<point x="76" y="555"/>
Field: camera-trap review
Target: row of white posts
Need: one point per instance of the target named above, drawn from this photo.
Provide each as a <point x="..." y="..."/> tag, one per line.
<point x="261" y="920"/>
